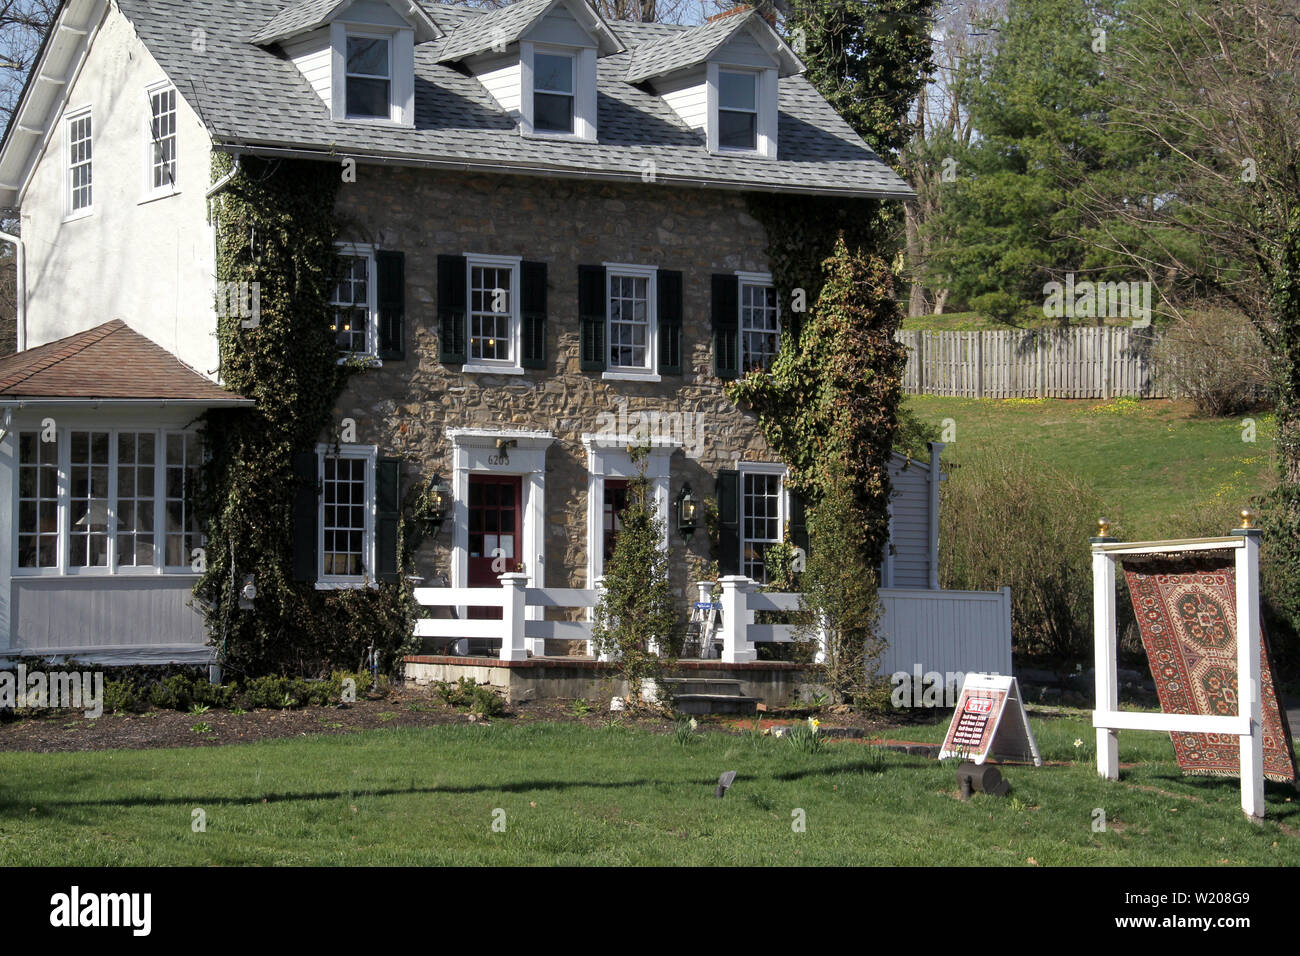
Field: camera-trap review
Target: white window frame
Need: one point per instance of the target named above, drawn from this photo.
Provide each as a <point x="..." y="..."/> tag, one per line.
<point x="512" y="366"/>
<point x="766" y="102"/>
<point x="758" y="280"/>
<point x="62" y="567"/>
<point x="783" y="503"/>
<point x="370" y="455"/>
<point x="584" y="91"/>
<point x="69" y="213"/>
<point x="362" y="250"/>
<point x="572" y="57"/>
<point x="650" y="371"/>
<point x="401" y="73"/>
<point x="152" y="192"/>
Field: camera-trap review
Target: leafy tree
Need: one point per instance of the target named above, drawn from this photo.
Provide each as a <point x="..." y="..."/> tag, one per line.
<point x="637" y="609"/>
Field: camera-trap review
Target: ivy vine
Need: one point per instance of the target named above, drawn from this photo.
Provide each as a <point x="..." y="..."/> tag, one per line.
<point x="276" y="228"/>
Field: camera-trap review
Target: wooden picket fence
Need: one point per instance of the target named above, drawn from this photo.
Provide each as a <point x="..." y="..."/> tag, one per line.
<point x="1079" y="362"/>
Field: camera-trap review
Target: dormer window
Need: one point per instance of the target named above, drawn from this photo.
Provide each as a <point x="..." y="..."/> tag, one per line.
<point x="737" y="110"/>
<point x="553" y="92"/>
<point x="369" y="77"/>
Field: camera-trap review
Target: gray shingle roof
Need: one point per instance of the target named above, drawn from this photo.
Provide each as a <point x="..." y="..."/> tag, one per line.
<point x="689" y="47"/>
<point x="254" y="98"/>
<point x="296" y="17"/>
<point x="497" y="28"/>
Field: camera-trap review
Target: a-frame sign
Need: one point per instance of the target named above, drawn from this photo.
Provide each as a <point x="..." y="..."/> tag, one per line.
<point x="990" y="721"/>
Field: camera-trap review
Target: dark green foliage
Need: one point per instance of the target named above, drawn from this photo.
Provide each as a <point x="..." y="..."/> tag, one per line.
<point x="637" y="608"/>
<point x="276" y="227"/>
<point x="469" y="695"/>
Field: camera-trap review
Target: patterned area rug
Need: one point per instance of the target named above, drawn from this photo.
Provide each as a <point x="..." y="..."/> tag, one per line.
<point x="1186" y="610"/>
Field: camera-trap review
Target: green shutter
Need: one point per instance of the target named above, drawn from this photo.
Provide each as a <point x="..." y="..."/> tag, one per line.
<point x="452" y="298"/>
<point x="390" y="289"/>
<point x="726" y="326"/>
<point x="591" y="316"/>
<point x="669" y="296"/>
<point x="728" y="522"/>
<point x="532" y="298"/>
<point x="388" y="514"/>
<point x="306" y="499"/>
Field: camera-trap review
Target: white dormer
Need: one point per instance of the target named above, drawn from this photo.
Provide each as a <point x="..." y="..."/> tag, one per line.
<point x="722" y="79"/>
<point x="358" y="55"/>
<point x="537" y="58"/>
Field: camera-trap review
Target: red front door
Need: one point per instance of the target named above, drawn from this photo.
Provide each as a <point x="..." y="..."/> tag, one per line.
<point x="494" y="532"/>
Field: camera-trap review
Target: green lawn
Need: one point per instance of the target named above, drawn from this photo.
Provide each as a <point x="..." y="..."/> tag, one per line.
<point x="976" y="322"/>
<point x="573" y="794"/>
<point x="1148" y="460"/>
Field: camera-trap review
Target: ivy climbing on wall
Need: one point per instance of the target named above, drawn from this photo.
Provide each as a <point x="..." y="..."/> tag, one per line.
<point x="275" y="229"/>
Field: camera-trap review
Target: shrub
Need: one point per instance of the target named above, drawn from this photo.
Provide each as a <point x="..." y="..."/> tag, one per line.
<point x="1214" y="357"/>
<point x="1008" y="520"/>
<point x="469" y="695"/>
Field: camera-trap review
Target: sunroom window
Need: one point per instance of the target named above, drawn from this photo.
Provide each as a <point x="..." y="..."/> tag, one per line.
<point x="369" y="77"/>
<point x="88" y="500"/>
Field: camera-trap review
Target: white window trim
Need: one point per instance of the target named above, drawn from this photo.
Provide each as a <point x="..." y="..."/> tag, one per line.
<point x="401" y="73"/>
<point x="358" y="250"/>
<point x="494" y="366"/>
<point x="767" y="102"/>
<point x="584" y="91"/>
<point x="62" y="568"/>
<point x="755" y="279"/>
<point x="370" y="454"/>
<point x="150" y="193"/>
<point x="70" y="214"/>
<point x="783" y="501"/>
<point x="624" y="373"/>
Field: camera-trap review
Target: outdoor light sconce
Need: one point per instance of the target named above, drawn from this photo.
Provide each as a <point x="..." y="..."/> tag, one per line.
<point x="438" y="497"/>
<point x="686" y="512"/>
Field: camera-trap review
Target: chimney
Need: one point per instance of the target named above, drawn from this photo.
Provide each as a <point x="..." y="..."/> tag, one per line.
<point x="769" y="15"/>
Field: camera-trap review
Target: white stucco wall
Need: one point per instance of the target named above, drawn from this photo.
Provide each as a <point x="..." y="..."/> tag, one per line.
<point x="148" y="263"/>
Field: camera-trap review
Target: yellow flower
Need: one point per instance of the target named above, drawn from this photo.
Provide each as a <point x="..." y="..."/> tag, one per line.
<point x="813" y="724"/>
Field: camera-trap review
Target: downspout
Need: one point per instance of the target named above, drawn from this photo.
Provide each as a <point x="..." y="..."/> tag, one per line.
<point x="20" y="290"/>
<point x="224" y="181"/>
<point x="936" y="476"/>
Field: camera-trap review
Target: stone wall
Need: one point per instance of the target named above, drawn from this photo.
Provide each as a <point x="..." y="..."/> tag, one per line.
<point x="406" y="406"/>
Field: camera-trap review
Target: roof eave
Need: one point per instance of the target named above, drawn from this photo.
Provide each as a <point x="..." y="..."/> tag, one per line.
<point x="24" y="401"/>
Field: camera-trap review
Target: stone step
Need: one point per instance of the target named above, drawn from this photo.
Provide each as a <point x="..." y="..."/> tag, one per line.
<point x="714" y="704"/>
<point x="718" y="686"/>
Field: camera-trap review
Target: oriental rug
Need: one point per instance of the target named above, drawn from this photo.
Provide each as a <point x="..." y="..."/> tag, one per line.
<point x="1185" y="606"/>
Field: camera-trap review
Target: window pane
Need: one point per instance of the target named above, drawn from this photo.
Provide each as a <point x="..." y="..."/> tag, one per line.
<point x="367" y="97"/>
<point x="736" y="91"/>
<point x="351" y="320"/>
<point x="343" y="517"/>
<point x="553" y="112"/>
<point x="760" y="334"/>
<point x="491" y="313"/>
<point x="737" y="130"/>
<point x="367" y="56"/>
<point x="629" y="321"/>
<point x="552" y="73"/>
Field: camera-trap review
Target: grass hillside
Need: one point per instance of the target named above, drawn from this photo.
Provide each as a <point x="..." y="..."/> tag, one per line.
<point x="1152" y="462"/>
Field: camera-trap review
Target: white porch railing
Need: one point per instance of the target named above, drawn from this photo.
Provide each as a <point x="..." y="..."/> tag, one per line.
<point x="513" y="629"/>
<point x="966" y="631"/>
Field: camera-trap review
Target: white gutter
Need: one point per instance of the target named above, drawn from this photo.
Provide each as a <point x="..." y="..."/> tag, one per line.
<point x="20" y="289"/>
<point x="221" y="183"/>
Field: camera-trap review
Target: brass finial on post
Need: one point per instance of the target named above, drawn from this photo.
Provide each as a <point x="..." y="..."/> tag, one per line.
<point x="1103" y="532"/>
<point x="1247" y="518"/>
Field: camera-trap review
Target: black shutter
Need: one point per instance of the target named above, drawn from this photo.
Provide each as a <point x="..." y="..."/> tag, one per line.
<point x="591" y="316"/>
<point x="728" y="522"/>
<point x="390" y="288"/>
<point x="726" y="326"/>
<point x="798" y="523"/>
<point x="670" y="322"/>
<point x="306" y="497"/>
<point x="452" y="297"/>
<point x="388" y="513"/>
<point x="532" y="281"/>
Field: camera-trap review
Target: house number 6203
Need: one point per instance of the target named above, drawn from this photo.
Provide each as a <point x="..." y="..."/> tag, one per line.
<point x="498" y="459"/>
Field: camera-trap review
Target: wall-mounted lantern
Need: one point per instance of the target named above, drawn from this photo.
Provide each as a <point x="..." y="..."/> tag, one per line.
<point x="437" y="501"/>
<point x="687" y="508"/>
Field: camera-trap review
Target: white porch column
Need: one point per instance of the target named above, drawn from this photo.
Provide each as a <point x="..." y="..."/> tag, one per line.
<point x="736" y="618"/>
<point x="513" y="606"/>
<point x="1104" y="666"/>
<point x="1248" y="671"/>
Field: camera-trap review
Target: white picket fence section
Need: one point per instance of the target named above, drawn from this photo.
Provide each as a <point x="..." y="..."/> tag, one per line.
<point x="1078" y="362"/>
<point x="967" y="631"/>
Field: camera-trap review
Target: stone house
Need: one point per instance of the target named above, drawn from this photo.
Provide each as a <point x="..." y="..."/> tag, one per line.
<point x="547" y="258"/>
